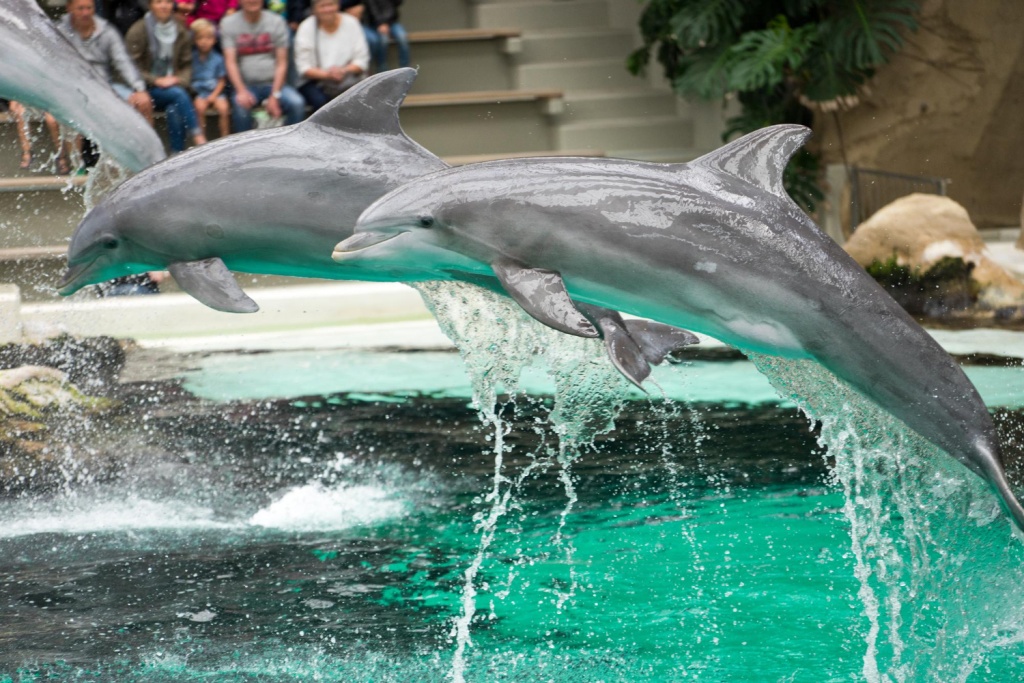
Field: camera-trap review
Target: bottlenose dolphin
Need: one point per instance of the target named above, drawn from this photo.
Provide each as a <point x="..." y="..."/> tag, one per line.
<point x="715" y="245"/>
<point x="41" y="68"/>
<point x="276" y="202"/>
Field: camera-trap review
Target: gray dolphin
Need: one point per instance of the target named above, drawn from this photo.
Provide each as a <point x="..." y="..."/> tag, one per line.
<point x="715" y="245"/>
<point x="277" y="201"/>
<point x="42" y="69"/>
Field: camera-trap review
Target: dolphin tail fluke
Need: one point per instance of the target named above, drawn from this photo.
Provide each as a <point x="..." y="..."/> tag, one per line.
<point x="657" y="340"/>
<point x="542" y="294"/>
<point x="211" y="283"/>
<point x="622" y="348"/>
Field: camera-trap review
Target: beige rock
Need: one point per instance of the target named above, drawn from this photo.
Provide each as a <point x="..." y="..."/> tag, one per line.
<point x="921" y="229"/>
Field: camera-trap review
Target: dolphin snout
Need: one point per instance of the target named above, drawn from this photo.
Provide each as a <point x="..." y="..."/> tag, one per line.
<point x="73" y="279"/>
<point x="360" y="241"/>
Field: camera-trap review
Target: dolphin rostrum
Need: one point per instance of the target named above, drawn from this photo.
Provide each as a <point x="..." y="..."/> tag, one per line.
<point x="276" y="202"/>
<point x="714" y="245"/>
<point x="41" y="68"/>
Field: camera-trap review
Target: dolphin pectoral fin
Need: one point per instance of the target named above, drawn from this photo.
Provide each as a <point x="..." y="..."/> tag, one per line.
<point x="657" y="340"/>
<point x="211" y="283"/>
<point x="542" y="294"/>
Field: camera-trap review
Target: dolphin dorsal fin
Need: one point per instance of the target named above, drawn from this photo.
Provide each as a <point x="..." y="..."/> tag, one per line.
<point x="369" y="107"/>
<point x="759" y="157"/>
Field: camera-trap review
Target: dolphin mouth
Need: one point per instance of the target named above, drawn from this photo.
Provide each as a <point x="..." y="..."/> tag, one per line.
<point x="74" y="278"/>
<point x="360" y="242"/>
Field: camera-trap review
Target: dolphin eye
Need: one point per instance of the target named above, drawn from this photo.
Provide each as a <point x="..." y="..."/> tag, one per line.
<point x="425" y="221"/>
<point x="110" y="243"/>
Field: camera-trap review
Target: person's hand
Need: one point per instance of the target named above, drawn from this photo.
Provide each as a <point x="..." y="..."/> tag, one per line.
<point x="186" y="7"/>
<point x="245" y="99"/>
<point x="166" y="81"/>
<point x="336" y="73"/>
<point x="140" y="100"/>
<point x="384" y="29"/>
<point x="273" y="106"/>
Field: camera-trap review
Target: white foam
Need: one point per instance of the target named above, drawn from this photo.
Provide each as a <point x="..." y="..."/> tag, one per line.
<point x="77" y="516"/>
<point x="314" y="507"/>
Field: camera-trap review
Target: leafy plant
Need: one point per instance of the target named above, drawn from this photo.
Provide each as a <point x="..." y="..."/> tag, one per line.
<point x="783" y="59"/>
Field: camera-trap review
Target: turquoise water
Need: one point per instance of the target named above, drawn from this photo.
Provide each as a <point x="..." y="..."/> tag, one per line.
<point x="304" y="516"/>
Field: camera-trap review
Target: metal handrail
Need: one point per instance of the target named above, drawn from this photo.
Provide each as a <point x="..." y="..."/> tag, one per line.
<point x="871" y="189"/>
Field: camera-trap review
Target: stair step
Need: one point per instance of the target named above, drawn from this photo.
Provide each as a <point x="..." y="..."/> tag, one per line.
<point x="617" y="135"/>
<point x="436" y="15"/>
<point x="598" y="74"/>
<point x="561" y="46"/>
<point x="562" y="16"/>
<point x="450" y="61"/>
<point x="495" y="97"/>
<point x="591" y="106"/>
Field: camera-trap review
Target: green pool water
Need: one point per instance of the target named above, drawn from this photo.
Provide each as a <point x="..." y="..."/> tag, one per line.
<point x="311" y="516"/>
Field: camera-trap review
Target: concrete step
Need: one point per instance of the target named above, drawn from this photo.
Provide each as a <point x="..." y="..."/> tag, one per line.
<point x="562" y="46"/>
<point x="562" y="15"/>
<point x="617" y="136"/>
<point x="466" y="59"/>
<point x="482" y="122"/>
<point x="37" y="214"/>
<point x="598" y="74"/>
<point x="436" y="15"/>
<point x="595" y="106"/>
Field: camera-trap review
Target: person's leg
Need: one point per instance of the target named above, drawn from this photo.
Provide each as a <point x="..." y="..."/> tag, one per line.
<point x="378" y="48"/>
<point x="190" y="122"/>
<point x="164" y="100"/>
<point x="292" y="104"/>
<point x="21" y="123"/>
<point x="402" y="40"/>
<point x="63" y="149"/>
<point x="223" y="115"/>
<point x="241" y="118"/>
<point x="313" y="95"/>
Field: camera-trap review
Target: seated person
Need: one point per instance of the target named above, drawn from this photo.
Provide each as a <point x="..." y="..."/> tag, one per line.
<point x="209" y="76"/>
<point x="255" y="45"/>
<point x="161" y="48"/>
<point x="330" y="53"/>
<point x="102" y="46"/>
<point x="211" y="10"/>
<point x="380" y="23"/>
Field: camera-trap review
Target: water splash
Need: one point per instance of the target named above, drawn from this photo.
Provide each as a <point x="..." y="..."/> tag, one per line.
<point x="941" y="575"/>
<point x="498" y="341"/>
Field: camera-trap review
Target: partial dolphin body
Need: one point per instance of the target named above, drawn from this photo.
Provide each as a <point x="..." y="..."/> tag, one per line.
<point x="42" y="69"/>
<point x="715" y="245"/>
<point x="277" y="201"/>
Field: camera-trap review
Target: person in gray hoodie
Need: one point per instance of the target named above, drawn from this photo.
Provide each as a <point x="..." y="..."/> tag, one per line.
<point x="101" y="45"/>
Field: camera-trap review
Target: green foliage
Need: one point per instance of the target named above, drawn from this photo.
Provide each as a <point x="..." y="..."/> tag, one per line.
<point x="780" y="57"/>
<point x="945" y="287"/>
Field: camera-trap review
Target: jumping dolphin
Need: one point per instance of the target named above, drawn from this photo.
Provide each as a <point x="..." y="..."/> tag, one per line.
<point x="715" y="245"/>
<point x="277" y="201"/>
<point x="41" y="68"/>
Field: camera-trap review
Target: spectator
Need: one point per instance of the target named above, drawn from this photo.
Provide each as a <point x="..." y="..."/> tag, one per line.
<point x="101" y="45"/>
<point x="209" y="75"/>
<point x="161" y="47"/>
<point x="20" y="115"/>
<point x="380" y="22"/>
<point x="296" y="12"/>
<point x="122" y="13"/>
<point x="256" y="57"/>
<point x="330" y="53"/>
<point x="211" y="10"/>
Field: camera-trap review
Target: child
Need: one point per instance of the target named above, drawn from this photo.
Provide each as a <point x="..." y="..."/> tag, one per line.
<point x="209" y="75"/>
